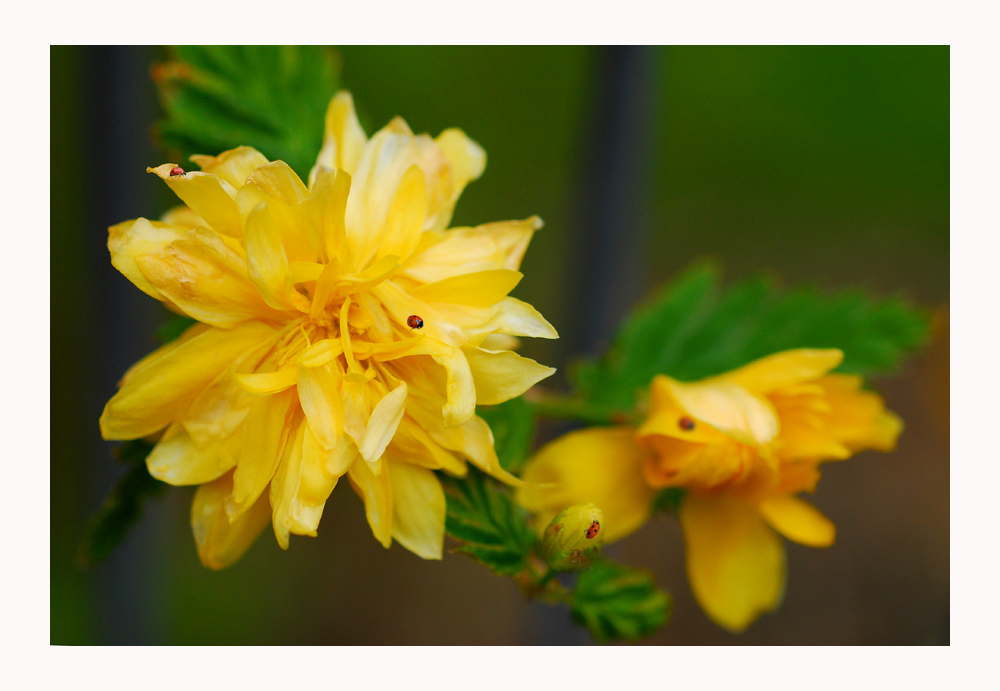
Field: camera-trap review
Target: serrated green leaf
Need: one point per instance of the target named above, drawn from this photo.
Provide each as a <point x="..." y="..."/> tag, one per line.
<point x="486" y="522"/>
<point x="273" y="98"/>
<point x="123" y="506"/>
<point x="619" y="602"/>
<point x="694" y="329"/>
<point x="513" y="428"/>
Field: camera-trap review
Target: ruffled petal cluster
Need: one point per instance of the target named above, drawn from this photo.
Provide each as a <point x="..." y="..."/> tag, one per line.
<point x="741" y="445"/>
<point x="344" y="329"/>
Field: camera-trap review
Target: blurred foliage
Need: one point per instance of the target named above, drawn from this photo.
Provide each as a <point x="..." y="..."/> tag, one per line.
<point x="123" y="505"/>
<point x="174" y="327"/>
<point x="615" y="601"/>
<point x="513" y="428"/>
<point x="273" y="98"/>
<point x="694" y="329"/>
<point x="487" y="524"/>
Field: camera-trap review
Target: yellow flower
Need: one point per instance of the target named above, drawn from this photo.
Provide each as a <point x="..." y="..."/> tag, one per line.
<point x="742" y="445"/>
<point x="343" y="330"/>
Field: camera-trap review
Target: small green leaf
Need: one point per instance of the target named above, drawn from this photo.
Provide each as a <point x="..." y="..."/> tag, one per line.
<point x="694" y="329"/>
<point x="618" y="602"/>
<point x="273" y="98"/>
<point x="513" y="428"/>
<point x="669" y="500"/>
<point x="122" y="508"/>
<point x="486" y="522"/>
<point x="174" y="327"/>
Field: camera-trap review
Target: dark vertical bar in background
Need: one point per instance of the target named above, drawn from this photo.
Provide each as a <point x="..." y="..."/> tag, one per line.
<point x="120" y="105"/>
<point x="611" y="206"/>
<point x="611" y="196"/>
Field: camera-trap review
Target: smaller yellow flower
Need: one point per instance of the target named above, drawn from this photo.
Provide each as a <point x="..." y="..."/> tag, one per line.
<point x="742" y="445"/>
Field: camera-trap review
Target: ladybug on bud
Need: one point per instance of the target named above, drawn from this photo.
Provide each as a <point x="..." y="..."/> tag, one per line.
<point x="414" y="322"/>
<point x="574" y="539"/>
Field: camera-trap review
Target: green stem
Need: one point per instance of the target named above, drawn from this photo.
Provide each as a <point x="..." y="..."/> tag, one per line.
<point x="549" y="405"/>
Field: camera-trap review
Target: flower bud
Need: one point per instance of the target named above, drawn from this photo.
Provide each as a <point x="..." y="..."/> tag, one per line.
<point x="574" y="538"/>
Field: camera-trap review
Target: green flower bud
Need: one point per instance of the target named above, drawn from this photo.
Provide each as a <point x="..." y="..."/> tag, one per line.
<point x="574" y="538"/>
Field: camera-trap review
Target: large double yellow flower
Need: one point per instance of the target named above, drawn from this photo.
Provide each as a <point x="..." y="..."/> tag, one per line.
<point x="304" y="367"/>
<point x="742" y="445"/>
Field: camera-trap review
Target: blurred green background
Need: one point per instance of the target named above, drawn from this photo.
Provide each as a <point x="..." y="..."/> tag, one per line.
<point x="828" y="165"/>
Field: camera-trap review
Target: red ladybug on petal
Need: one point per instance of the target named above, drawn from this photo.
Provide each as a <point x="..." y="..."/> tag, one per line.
<point x="175" y="171"/>
<point x="593" y="530"/>
<point x="414" y="322"/>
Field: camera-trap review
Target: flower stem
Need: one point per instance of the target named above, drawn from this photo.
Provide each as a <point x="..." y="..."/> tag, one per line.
<point x="544" y="404"/>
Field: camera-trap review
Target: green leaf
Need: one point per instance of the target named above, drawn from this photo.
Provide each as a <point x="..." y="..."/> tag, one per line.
<point x="122" y="507"/>
<point x="513" y="428"/>
<point x="616" y="601"/>
<point x="694" y="329"/>
<point x="174" y="327"/>
<point x="273" y="98"/>
<point x="486" y="522"/>
<point x="669" y="500"/>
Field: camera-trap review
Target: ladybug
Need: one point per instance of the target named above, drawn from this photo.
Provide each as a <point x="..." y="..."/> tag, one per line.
<point x="593" y="530"/>
<point x="175" y="171"/>
<point x="414" y="322"/>
<point x="686" y="424"/>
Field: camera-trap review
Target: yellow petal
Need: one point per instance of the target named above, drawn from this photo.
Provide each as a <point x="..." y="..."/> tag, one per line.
<point x="128" y="240"/>
<point x="516" y="318"/>
<point x="479" y="289"/>
<point x="376" y="492"/>
<point x="383" y="422"/>
<point x="177" y="460"/>
<point x="163" y="389"/>
<point x="406" y="215"/>
<point x="268" y="382"/>
<point x="443" y="254"/>
<point x="858" y="418"/>
<point x="502" y="375"/>
<point x="783" y="369"/>
<point x="206" y="279"/>
<point x="461" y="389"/>
<point x="735" y="563"/>
<point x="296" y="224"/>
<point x="320" y="397"/>
<point x="267" y="263"/>
<point x="344" y="139"/>
<point x="233" y="166"/>
<point x="221" y="543"/>
<point x="798" y="521"/>
<point x="467" y="159"/>
<point x="602" y="466"/>
<point x="209" y="196"/>
<point x="265" y="434"/>
<point x="415" y="445"/>
<point x="285" y="487"/>
<point x="731" y="409"/>
<point x="418" y="509"/>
